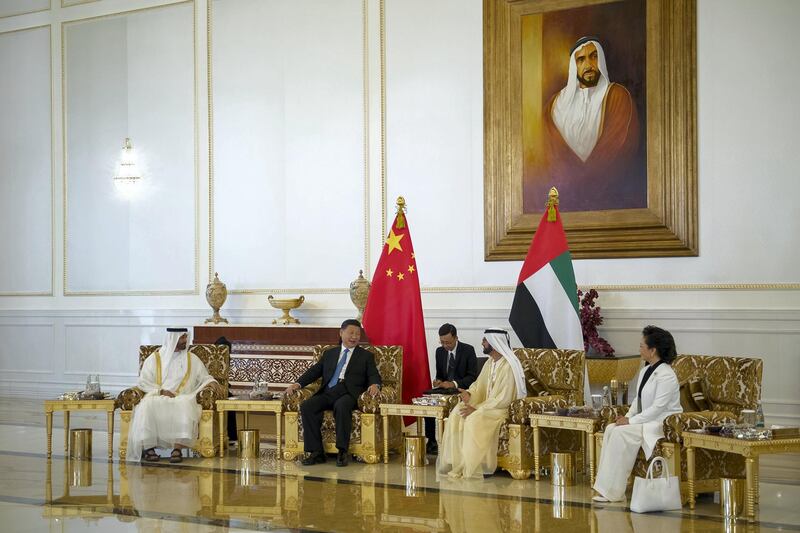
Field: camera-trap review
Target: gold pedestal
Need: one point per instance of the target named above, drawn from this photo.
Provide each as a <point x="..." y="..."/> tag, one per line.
<point x="249" y="443"/>
<point x="414" y="451"/>
<point x="562" y="469"/>
<point x="80" y="444"/>
<point x="80" y="473"/>
<point x="731" y="496"/>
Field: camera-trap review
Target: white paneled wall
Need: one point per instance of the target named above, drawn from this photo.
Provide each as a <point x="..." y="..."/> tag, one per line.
<point x="25" y="162"/>
<point x="288" y="142"/>
<point x="130" y="76"/>
<point x="278" y="125"/>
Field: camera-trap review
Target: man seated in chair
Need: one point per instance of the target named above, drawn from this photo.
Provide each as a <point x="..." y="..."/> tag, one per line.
<point x="456" y="367"/>
<point x="168" y="415"/>
<point x="346" y="372"/>
<point x="469" y="444"/>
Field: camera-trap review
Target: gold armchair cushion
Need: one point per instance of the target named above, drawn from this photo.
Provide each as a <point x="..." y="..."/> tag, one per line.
<point x="687" y="402"/>
<point x="368" y="403"/>
<point x="729" y="383"/>
<point x="698" y="394"/>
<point x="129" y="398"/>
<point x="675" y="425"/>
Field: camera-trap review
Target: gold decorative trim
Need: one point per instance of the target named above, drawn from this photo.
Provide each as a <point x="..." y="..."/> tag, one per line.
<point x="365" y="96"/>
<point x="641" y="287"/>
<point x="335" y="290"/>
<point x="65" y="185"/>
<point x="51" y="292"/>
<point x="48" y="8"/>
<point x="383" y="116"/>
<point x="366" y="180"/>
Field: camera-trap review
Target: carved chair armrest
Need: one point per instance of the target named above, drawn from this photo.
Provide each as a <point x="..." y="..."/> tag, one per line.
<point x="609" y="414"/>
<point x="291" y="402"/>
<point x="207" y="396"/>
<point x="129" y="398"/>
<point x="521" y="409"/>
<point x="675" y="425"/>
<point x="371" y="404"/>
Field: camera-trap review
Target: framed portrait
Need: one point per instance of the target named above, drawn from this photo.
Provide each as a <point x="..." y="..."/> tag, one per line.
<point x="598" y="99"/>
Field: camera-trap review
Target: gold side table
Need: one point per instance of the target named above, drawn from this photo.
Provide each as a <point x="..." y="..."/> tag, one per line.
<point x="77" y="405"/>
<point x="248" y="406"/>
<point x="751" y="450"/>
<point x="589" y="426"/>
<point x="417" y="411"/>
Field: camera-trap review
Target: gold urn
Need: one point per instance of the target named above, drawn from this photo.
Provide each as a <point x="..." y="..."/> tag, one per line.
<point x="359" y="291"/>
<point x="216" y="294"/>
<point x="286" y="305"/>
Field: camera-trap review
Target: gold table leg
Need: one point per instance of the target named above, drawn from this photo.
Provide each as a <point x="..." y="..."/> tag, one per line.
<point x="420" y="428"/>
<point x="755" y="478"/>
<point x="246" y="420"/>
<point x="536" y="451"/>
<point x="750" y="497"/>
<point x="222" y="427"/>
<point x="48" y="417"/>
<point x="110" y="417"/>
<point x="690" y="474"/>
<point x="66" y="432"/>
<point x="590" y="446"/>
<point x="278" y="430"/>
<point x="385" y="439"/>
<point x="438" y="431"/>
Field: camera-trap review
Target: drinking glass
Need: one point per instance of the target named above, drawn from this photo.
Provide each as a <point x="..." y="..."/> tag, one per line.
<point x="748" y="417"/>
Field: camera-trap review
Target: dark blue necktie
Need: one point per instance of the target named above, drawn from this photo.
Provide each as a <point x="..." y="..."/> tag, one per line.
<point x="339" y="366"/>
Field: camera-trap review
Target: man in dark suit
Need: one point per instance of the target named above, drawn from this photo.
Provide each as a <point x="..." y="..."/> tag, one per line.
<point x="456" y="368"/>
<point x="346" y="372"/>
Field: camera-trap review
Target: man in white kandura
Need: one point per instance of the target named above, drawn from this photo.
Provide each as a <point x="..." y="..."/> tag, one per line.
<point x="168" y="415"/>
<point x="469" y="445"/>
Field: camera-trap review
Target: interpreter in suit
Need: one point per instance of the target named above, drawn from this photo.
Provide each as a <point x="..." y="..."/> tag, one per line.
<point x="456" y="368"/>
<point x="346" y="372"/>
<point x="657" y="398"/>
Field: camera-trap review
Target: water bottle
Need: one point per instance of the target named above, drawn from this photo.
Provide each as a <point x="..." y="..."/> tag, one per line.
<point x="759" y="415"/>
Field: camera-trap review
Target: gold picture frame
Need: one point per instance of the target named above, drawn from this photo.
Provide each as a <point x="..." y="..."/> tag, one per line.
<point x="667" y="226"/>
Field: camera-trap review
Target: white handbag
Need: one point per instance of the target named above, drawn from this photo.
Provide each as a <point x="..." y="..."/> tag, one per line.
<point x="656" y="494"/>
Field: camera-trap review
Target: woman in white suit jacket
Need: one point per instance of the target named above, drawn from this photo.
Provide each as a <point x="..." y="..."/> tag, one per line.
<point x="658" y="396"/>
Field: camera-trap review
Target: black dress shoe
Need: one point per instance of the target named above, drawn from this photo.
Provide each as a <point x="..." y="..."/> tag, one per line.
<point x="341" y="458"/>
<point x="313" y="458"/>
<point x="432" y="448"/>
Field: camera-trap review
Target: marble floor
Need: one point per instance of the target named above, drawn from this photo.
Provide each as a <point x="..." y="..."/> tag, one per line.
<point x="265" y="494"/>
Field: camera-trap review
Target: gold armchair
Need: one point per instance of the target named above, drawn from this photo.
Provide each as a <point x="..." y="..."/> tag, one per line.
<point x="561" y="373"/>
<point x="730" y="384"/>
<point x="217" y="361"/>
<point x="367" y="434"/>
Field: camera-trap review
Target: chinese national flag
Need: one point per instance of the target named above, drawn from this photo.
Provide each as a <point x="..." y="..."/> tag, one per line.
<point x="393" y="315"/>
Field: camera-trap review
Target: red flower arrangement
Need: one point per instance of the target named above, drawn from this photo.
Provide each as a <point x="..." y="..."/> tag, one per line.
<point x="590" y="319"/>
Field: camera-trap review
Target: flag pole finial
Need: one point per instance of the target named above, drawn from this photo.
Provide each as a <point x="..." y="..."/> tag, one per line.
<point x="552" y="202"/>
<point x="401" y="209"/>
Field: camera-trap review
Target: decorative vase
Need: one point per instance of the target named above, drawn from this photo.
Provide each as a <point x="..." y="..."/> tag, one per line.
<point x="216" y="294"/>
<point x="359" y="291"/>
<point x="286" y="305"/>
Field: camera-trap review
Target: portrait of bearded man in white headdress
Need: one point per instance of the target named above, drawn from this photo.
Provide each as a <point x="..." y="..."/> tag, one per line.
<point x="591" y="139"/>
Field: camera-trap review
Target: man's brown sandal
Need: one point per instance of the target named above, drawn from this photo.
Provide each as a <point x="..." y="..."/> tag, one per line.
<point x="151" y="455"/>
<point x="176" y="456"/>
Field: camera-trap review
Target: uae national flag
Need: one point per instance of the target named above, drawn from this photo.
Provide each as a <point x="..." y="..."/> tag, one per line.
<point x="545" y="309"/>
<point x="393" y="315"/>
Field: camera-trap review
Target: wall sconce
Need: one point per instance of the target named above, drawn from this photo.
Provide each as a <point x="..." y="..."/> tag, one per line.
<point x="127" y="175"/>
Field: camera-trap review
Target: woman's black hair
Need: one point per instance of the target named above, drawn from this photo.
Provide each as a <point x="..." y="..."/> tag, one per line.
<point x="662" y="341"/>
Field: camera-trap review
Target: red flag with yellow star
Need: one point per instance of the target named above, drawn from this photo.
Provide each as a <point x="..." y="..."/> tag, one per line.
<point x="393" y="315"/>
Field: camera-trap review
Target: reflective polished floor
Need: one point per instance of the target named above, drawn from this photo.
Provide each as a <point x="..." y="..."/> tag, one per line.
<point x="37" y="494"/>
